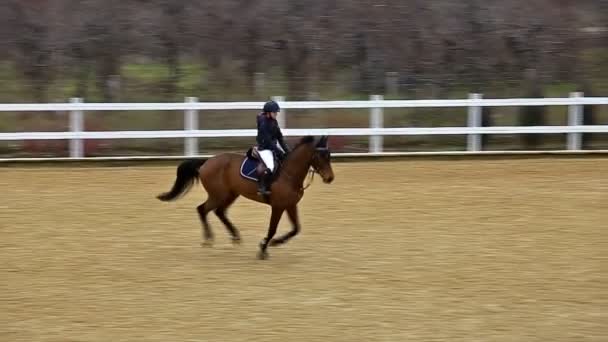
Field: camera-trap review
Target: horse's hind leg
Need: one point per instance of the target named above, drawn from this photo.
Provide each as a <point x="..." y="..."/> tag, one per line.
<point x="203" y="210"/>
<point x="220" y="211"/>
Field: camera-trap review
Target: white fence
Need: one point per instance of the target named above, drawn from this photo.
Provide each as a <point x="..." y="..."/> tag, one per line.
<point x="376" y="131"/>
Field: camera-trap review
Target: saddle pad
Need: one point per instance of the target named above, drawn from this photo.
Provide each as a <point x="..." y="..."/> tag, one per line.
<point x="248" y="169"/>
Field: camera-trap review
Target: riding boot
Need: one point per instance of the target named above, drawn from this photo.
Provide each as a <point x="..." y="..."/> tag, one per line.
<point x="264" y="183"/>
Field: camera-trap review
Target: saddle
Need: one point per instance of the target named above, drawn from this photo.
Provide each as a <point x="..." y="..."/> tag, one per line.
<point x="253" y="153"/>
<point x="252" y="165"/>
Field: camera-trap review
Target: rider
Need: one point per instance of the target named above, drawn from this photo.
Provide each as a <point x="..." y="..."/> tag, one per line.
<point x="269" y="141"/>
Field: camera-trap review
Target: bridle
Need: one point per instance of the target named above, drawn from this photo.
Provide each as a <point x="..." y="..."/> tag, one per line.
<point x="313" y="169"/>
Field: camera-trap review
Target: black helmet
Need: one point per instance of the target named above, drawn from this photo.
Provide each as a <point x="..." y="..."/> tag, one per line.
<point x="271" y="106"/>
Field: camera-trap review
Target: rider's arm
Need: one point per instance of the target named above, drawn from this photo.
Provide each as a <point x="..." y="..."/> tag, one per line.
<point x="282" y="142"/>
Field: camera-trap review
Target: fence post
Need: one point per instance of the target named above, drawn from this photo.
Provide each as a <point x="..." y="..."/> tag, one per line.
<point x="575" y="118"/>
<point x="474" y="120"/>
<point x="76" y="125"/>
<point x="376" y="120"/>
<point x="282" y="117"/>
<point x="190" y="124"/>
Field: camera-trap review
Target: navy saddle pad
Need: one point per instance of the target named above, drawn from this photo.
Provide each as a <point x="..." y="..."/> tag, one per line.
<point x="248" y="168"/>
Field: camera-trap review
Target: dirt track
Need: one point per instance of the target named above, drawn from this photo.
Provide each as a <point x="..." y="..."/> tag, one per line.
<point x="511" y="250"/>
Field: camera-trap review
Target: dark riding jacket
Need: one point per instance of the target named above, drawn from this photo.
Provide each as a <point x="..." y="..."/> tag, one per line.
<point x="269" y="133"/>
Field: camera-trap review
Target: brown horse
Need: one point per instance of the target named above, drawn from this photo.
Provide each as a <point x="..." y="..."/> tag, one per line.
<point x="221" y="177"/>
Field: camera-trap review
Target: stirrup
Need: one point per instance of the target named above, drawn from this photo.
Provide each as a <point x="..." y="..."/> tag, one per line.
<point x="263" y="191"/>
<point x="264" y="187"/>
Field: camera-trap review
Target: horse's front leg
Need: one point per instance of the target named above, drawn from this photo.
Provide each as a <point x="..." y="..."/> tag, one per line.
<point x="292" y="213"/>
<point x="275" y="217"/>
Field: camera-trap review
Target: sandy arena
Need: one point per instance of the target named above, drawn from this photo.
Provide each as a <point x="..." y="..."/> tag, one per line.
<point x="416" y="250"/>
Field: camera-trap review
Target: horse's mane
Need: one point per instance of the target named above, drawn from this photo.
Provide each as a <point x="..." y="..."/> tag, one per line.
<point x="304" y="141"/>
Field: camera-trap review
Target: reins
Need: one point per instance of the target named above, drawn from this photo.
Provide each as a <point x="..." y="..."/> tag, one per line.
<point x="311" y="171"/>
<point x="310" y="175"/>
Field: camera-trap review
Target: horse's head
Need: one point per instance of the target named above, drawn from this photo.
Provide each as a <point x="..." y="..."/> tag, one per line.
<point x="309" y="153"/>
<point x="321" y="160"/>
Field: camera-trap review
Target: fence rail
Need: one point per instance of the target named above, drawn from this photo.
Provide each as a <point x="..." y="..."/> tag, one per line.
<point x="376" y="131"/>
<point x="374" y="103"/>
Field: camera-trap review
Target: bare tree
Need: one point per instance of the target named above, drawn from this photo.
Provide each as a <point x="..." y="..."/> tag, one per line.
<point x="430" y="44"/>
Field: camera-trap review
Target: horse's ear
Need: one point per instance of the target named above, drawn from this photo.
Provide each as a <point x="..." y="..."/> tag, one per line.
<point x="322" y="141"/>
<point x="325" y="138"/>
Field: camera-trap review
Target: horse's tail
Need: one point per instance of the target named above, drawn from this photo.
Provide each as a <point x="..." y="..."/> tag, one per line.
<point x="187" y="174"/>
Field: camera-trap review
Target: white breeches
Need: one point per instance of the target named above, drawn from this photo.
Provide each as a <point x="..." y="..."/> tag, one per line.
<point x="268" y="158"/>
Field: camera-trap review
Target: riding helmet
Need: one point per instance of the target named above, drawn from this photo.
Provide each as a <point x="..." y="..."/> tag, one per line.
<point x="271" y="106"/>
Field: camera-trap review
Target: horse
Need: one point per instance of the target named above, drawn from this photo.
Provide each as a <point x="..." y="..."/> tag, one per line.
<point x="225" y="177"/>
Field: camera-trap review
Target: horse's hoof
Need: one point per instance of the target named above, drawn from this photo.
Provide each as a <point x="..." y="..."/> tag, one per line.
<point x="207" y="243"/>
<point x="262" y="255"/>
<point x="236" y="240"/>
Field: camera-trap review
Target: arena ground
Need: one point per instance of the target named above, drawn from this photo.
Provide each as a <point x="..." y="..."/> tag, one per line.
<point x="410" y="250"/>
